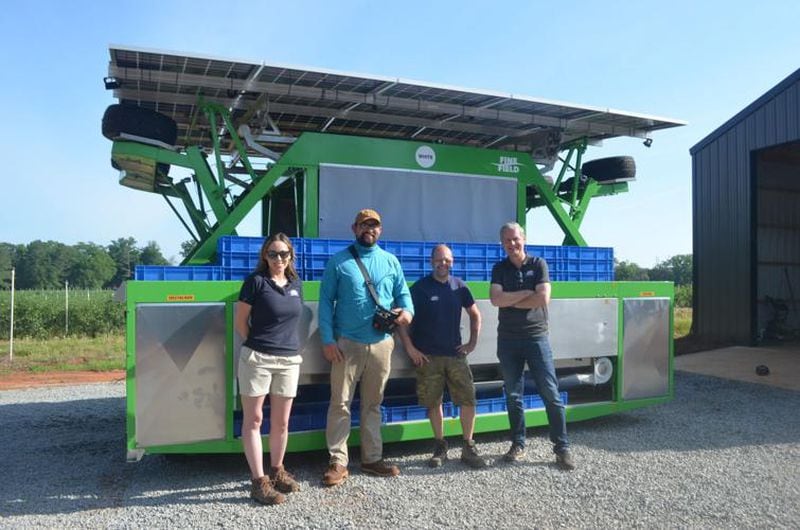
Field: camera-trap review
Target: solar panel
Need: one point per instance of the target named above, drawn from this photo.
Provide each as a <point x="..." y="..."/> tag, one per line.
<point x="297" y="99"/>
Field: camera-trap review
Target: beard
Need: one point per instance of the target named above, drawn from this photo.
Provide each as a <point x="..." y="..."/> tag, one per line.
<point x="364" y="242"/>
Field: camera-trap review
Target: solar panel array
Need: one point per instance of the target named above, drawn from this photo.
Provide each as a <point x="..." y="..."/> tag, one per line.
<point x="298" y="99"/>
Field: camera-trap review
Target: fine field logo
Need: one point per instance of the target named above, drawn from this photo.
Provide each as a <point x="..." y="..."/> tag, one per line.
<point x="426" y="157"/>
<point x="507" y="164"/>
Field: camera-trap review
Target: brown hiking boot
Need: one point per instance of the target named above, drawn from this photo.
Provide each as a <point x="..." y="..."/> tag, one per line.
<point x="335" y="474"/>
<point x="470" y="456"/>
<point x="515" y="453"/>
<point x="381" y="468"/>
<point x="439" y="453"/>
<point x="261" y="491"/>
<point x="283" y="480"/>
<point x="565" y="461"/>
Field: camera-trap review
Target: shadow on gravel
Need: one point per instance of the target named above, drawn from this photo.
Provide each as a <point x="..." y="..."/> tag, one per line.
<point x="706" y="413"/>
<point x="69" y="457"/>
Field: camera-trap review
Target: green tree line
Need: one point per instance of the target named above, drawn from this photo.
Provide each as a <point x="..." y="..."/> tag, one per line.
<point x="49" y="264"/>
<point x="677" y="269"/>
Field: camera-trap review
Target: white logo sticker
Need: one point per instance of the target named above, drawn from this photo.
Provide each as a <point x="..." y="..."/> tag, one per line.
<point x="294" y="292"/>
<point x="507" y="164"/>
<point x="426" y="157"/>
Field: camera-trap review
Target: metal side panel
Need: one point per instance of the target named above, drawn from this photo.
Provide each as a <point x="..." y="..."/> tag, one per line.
<point x="584" y="327"/>
<point x="314" y="364"/>
<point x="180" y="373"/>
<point x="579" y="328"/>
<point x="645" y="348"/>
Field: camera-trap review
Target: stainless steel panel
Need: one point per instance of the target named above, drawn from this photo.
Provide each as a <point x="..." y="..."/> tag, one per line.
<point x="645" y="347"/>
<point x="314" y="364"/>
<point x="180" y="373"/>
<point x="584" y="327"/>
<point x="579" y="328"/>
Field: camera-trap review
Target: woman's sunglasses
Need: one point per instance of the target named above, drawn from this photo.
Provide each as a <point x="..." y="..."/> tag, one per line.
<point x="283" y="254"/>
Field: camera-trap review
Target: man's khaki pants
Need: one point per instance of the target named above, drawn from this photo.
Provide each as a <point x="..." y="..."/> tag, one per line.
<point x="369" y="363"/>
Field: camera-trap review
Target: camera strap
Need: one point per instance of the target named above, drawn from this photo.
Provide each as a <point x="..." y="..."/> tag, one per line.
<point x="363" y="269"/>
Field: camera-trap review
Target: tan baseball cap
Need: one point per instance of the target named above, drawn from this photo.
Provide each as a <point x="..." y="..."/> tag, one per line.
<point x="367" y="213"/>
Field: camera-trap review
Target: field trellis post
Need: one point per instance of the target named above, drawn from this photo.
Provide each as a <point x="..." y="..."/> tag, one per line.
<point x="66" y="307"/>
<point x="11" y="319"/>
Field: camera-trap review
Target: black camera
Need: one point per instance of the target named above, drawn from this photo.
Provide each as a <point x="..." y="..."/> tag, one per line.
<point x="384" y="320"/>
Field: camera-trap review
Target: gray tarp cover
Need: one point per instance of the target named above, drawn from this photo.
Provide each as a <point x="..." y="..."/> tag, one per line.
<point x="416" y="205"/>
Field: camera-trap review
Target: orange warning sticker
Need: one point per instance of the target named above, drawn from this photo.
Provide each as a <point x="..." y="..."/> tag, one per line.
<point x="647" y="293"/>
<point x="180" y="298"/>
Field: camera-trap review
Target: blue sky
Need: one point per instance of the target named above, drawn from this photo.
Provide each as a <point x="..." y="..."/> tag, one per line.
<point x="701" y="62"/>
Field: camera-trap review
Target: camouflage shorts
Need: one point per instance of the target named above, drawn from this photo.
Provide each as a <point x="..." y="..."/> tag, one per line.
<point x="453" y="372"/>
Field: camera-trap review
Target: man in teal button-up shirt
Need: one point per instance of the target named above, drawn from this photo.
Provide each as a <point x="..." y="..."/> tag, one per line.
<point x="355" y="349"/>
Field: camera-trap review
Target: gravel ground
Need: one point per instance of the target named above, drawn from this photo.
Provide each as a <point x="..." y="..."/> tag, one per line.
<point x="723" y="454"/>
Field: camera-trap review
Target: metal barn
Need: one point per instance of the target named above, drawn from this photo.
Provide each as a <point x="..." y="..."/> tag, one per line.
<point x="746" y="211"/>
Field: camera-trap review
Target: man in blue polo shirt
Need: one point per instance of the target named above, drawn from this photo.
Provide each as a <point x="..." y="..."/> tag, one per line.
<point x="435" y="348"/>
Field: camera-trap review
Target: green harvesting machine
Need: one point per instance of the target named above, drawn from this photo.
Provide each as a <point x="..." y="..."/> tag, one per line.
<point x="222" y="139"/>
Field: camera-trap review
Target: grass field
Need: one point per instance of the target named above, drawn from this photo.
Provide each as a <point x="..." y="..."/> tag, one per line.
<point x="98" y="354"/>
<point x="682" y="321"/>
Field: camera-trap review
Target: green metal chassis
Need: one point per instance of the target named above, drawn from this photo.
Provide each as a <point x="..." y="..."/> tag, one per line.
<point x="227" y="291"/>
<point x="568" y="206"/>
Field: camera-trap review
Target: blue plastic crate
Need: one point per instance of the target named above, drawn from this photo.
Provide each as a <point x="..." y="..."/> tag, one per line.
<point x="239" y="260"/>
<point x="324" y="247"/>
<point x="490" y="405"/>
<point x="304" y="417"/>
<point x="476" y="275"/>
<point x="413" y="275"/>
<point x="227" y="244"/>
<point x="236" y="273"/>
<point x="312" y="274"/>
<point x="250" y="245"/>
<point x="534" y="401"/>
<point x="418" y="249"/>
<point x="548" y="252"/>
<point x="404" y="409"/>
<point x="170" y="273"/>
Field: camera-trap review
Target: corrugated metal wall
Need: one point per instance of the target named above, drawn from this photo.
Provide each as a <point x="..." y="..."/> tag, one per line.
<point x="723" y="165"/>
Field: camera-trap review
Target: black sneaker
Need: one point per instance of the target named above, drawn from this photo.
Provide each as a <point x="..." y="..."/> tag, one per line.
<point x="470" y="456"/>
<point x="439" y="453"/>
<point x="564" y="461"/>
<point x="515" y="453"/>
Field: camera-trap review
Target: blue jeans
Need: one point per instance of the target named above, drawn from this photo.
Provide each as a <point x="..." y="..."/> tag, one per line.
<point x="513" y="354"/>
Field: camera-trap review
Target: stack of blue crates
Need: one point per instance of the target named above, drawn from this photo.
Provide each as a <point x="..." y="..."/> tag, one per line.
<point x="181" y="274"/>
<point x="313" y="416"/>
<point x="472" y="261"/>
<point x="238" y="256"/>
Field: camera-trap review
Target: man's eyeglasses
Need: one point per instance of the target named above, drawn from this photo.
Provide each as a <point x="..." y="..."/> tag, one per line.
<point x="283" y="254"/>
<point x="369" y="225"/>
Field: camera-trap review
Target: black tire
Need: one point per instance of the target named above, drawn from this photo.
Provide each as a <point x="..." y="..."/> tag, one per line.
<point x="612" y="168"/>
<point x="139" y="121"/>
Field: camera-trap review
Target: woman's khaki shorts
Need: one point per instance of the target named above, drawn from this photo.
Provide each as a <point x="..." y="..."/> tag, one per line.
<point x="262" y="373"/>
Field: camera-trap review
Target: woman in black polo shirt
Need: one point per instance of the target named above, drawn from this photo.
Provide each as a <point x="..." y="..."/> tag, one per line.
<point x="268" y="314"/>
